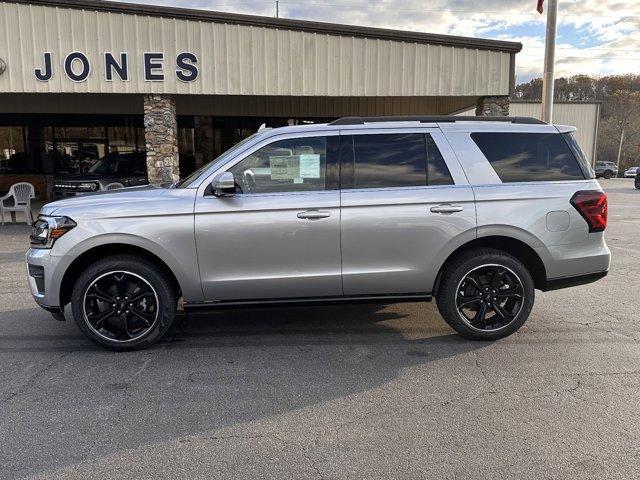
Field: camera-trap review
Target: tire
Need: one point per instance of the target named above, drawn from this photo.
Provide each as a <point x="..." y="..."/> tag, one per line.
<point x="479" y="267"/>
<point x="126" y="326"/>
<point x="608" y="174"/>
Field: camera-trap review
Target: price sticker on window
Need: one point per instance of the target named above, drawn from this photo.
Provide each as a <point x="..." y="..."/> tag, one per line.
<point x="309" y="165"/>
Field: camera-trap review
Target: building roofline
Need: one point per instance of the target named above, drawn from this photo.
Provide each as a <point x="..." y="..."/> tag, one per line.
<point x="560" y="102"/>
<point x="281" y="23"/>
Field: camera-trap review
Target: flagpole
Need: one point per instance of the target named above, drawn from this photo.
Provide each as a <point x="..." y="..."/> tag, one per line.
<point x="549" y="62"/>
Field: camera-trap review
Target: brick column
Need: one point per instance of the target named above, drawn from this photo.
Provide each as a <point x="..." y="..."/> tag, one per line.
<point x="492" y="106"/>
<point x="161" y="137"/>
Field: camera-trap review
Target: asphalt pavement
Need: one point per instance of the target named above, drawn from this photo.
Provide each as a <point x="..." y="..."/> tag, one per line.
<point x="359" y="391"/>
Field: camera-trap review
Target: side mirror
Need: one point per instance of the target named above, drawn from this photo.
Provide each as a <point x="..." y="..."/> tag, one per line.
<point x="224" y="185"/>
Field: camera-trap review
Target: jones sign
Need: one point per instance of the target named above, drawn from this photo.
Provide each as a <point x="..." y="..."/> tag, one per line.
<point x="77" y="67"/>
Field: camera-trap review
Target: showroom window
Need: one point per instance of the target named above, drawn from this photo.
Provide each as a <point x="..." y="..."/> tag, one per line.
<point x="12" y="150"/>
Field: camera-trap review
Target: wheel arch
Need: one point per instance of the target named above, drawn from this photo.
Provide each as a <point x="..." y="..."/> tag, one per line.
<point x="511" y="245"/>
<point x="91" y="255"/>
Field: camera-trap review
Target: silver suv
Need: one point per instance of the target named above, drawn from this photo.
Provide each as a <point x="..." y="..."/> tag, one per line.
<point x="474" y="212"/>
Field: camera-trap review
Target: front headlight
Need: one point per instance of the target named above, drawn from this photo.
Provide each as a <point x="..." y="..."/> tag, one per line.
<point x="46" y="230"/>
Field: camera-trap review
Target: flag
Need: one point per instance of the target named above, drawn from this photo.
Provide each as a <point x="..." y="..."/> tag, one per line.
<point x="540" y="6"/>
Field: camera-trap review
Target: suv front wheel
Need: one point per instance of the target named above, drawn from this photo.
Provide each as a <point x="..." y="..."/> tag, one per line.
<point x="485" y="294"/>
<point x="123" y="302"/>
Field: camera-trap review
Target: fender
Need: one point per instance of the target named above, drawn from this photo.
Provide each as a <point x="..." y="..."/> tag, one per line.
<point x="189" y="282"/>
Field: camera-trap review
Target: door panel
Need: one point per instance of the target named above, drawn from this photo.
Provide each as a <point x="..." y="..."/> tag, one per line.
<point x="258" y="247"/>
<point x="392" y="241"/>
<point x="394" y="238"/>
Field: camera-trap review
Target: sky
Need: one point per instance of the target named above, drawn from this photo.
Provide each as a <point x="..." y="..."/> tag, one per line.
<point x="595" y="37"/>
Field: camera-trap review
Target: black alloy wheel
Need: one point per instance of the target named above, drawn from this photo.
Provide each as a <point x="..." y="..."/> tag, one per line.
<point x="120" y="306"/>
<point x="485" y="294"/>
<point x="124" y="302"/>
<point x="489" y="297"/>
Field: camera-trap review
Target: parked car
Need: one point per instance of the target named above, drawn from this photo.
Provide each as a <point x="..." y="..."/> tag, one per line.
<point x="606" y="170"/>
<point x="476" y="214"/>
<point x="631" y="172"/>
<point x="637" y="181"/>
<point x="128" y="169"/>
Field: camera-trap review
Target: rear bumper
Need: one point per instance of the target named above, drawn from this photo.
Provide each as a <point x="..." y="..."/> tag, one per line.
<point x="573" y="281"/>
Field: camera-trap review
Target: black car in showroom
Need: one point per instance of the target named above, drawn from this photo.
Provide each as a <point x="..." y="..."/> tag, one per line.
<point x="114" y="169"/>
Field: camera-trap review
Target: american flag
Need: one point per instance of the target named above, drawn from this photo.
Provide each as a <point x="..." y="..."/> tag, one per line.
<point x="540" y="6"/>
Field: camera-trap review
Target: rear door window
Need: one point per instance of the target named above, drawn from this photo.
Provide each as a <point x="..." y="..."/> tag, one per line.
<point x="394" y="160"/>
<point x="529" y="157"/>
<point x="390" y="160"/>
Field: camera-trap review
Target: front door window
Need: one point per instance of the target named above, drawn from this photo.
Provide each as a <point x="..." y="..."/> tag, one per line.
<point x="291" y="165"/>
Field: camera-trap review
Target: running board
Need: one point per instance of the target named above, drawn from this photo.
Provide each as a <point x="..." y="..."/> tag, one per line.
<point x="293" y="302"/>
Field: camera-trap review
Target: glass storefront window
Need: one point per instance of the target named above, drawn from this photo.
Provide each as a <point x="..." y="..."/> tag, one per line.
<point x="66" y="133"/>
<point x="125" y="139"/>
<point x="12" y="151"/>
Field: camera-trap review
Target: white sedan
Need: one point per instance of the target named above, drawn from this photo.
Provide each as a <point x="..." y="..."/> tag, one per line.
<point x="631" y="172"/>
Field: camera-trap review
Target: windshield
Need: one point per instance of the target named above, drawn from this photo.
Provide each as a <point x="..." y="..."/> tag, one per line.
<point x="105" y="165"/>
<point x="188" y="182"/>
<point x="117" y="164"/>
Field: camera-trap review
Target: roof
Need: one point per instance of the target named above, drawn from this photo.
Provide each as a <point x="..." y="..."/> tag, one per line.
<point x="280" y="23"/>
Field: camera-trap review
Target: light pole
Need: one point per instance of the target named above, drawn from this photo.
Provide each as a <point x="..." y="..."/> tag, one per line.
<point x="622" y="124"/>
<point x="549" y="62"/>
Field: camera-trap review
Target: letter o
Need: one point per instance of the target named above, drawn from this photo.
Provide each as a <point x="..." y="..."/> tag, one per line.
<point x="68" y="66"/>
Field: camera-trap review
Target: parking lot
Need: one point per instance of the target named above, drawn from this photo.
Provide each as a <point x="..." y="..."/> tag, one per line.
<point x="358" y="391"/>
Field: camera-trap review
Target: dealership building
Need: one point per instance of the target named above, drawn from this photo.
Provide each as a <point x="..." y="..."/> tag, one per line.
<point x="82" y="79"/>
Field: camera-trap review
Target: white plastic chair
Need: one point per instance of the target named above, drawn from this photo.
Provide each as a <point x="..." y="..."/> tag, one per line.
<point x="22" y="194"/>
<point x="114" y="186"/>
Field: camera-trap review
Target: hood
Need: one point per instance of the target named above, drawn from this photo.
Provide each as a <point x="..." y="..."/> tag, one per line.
<point x="124" y="199"/>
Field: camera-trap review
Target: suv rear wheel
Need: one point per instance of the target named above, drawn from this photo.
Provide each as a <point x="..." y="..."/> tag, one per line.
<point x="123" y="302"/>
<point x="485" y="294"/>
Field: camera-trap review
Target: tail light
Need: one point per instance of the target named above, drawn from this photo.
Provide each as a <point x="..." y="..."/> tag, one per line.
<point x="592" y="205"/>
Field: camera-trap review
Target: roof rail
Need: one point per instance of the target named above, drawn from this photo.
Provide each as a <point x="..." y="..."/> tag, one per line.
<point x="435" y="119"/>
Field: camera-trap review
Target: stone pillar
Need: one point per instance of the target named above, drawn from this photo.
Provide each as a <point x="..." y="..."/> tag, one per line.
<point x="492" y="106"/>
<point x="161" y="137"/>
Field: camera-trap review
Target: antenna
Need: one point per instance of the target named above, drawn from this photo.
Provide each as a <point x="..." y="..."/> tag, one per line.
<point x="277" y="9"/>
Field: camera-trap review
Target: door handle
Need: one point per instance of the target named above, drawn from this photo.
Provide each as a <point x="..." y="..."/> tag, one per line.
<point x="313" y="214"/>
<point x="446" y="208"/>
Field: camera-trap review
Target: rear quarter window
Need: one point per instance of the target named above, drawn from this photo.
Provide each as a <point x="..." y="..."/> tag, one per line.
<point x="529" y="157"/>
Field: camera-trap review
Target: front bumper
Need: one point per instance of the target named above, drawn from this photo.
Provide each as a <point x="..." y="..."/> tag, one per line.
<point x="43" y="278"/>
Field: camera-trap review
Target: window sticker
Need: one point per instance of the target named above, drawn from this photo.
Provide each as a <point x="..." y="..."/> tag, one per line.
<point x="284" y="168"/>
<point x="309" y="165"/>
